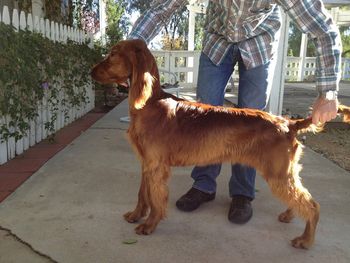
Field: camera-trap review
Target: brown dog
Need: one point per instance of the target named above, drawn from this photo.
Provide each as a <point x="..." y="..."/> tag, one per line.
<point x="166" y="131"/>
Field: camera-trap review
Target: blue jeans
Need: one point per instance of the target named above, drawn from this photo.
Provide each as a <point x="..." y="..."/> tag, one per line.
<point x="253" y="92"/>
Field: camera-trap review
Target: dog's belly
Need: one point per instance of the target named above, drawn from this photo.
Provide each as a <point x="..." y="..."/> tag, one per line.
<point x="197" y="160"/>
<point x="202" y="153"/>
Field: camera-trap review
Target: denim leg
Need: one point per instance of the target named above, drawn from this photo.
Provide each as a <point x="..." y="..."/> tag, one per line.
<point x="212" y="81"/>
<point x="253" y="92"/>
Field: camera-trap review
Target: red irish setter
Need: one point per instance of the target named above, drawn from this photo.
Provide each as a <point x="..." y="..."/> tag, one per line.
<point x="166" y="131"/>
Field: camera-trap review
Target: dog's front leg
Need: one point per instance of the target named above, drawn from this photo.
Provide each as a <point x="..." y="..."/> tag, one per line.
<point x="143" y="201"/>
<point x="155" y="180"/>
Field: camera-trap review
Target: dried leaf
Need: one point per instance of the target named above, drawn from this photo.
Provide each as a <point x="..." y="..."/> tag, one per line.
<point x="129" y="241"/>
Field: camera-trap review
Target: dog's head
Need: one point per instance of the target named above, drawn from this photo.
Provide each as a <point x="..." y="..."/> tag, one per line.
<point x="129" y="62"/>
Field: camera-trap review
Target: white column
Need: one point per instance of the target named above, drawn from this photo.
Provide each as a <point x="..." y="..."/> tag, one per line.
<point x="103" y="21"/>
<point x="191" y="33"/>
<point x="38" y="8"/>
<point x="335" y="14"/>
<point x="302" y="55"/>
<point x="191" y="28"/>
<point x="276" y="98"/>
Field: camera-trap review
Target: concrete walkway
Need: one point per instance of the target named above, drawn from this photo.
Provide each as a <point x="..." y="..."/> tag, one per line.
<point x="71" y="210"/>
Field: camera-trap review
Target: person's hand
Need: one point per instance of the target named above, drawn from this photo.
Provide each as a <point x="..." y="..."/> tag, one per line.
<point x="324" y="110"/>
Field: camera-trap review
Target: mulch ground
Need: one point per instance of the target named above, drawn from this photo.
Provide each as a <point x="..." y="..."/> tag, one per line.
<point x="333" y="143"/>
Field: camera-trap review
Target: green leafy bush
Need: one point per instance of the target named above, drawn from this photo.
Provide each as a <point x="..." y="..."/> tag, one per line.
<point x="31" y="67"/>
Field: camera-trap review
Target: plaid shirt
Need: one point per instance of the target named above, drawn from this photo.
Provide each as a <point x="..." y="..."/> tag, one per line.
<point x="254" y="25"/>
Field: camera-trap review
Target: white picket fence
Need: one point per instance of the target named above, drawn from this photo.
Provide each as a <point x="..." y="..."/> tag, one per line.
<point x="37" y="132"/>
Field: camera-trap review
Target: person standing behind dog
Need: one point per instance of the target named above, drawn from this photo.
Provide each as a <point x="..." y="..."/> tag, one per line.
<point x="247" y="33"/>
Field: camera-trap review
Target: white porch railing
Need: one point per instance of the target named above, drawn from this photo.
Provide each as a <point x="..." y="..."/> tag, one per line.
<point x="293" y="68"/>
<point x="37" y="131"/>
<point x="177" y="62"/>
<point x="182" y="64"/>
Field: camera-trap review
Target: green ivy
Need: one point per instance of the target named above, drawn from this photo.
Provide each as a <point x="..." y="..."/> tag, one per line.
<point x="31" y="67"/>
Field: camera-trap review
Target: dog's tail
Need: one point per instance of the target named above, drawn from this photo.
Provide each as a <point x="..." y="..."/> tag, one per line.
<point x="345" y="110"/>
<point x="305" y="125"/>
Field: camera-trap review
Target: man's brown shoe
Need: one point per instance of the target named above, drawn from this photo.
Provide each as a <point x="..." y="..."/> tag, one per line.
<point x="240" y="210"/>
<point x="193" y="199"/>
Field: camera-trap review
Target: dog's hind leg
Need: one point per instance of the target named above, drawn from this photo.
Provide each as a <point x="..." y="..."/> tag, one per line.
<point x="291" y="191"/>
<point x="142" y="203"/>
<point x="157" y="189"/>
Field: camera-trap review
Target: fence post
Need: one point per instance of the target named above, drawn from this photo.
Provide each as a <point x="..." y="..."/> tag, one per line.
<point x="42" y="26"/>
<point x="30" y="24"/>
<point x="23" y="26"/>
<point x="39" y="123"/>
<point x="52" y="31"/>
<point x="16" y="25"/>
<point x="47" y="29"/>
<point x="44" y="103"/>
<point x="65" y="34"/>
<point x="36" y="24"/>
<point x="39" y="26"/>
<point x="57" y="32"/>
<point x="44" y="115"/>
<point x="195" y="69"/>
<point x="15" y="19"/>
<point x="6" y="15"/>
<point x="76" y="35"/>
<point x="22" y="21"/>
<point x="11" y="142"/>
<point x="61" y="33"/>
<point x="302" y="55"/>
<point x="172" y="64"/>
<point x="68" y="33"/>
<point x="3" y="144"/>
<point x="9" y="145"/>
<point x="32" y="124"/>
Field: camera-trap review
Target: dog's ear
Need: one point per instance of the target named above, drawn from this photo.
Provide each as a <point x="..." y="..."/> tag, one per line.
<point x="143" y="75"/>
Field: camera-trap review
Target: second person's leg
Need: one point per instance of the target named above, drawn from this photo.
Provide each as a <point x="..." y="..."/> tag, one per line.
<point x="212" y="80"/>
<point x="254" y="91"/>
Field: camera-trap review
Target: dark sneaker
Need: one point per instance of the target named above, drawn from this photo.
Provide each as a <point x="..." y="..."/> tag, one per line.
<point x="193" y="199"/>
<point x="240" y="210"/>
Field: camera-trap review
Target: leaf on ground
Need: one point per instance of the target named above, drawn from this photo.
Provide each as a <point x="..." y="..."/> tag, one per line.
<point x="129" y="241"/>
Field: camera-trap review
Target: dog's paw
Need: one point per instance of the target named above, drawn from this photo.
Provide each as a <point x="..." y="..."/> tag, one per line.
<point x="286" y="217"/>
<point x="131" y="217"/>
<point x="301" y="242"/>
<point x="144" y="229"/>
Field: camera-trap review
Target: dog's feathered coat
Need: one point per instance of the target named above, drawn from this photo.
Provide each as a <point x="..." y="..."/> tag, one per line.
<point x="166" y="131"/>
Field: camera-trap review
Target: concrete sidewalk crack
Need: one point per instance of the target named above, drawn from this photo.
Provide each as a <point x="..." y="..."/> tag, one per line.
<point x="8" y="231"/>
